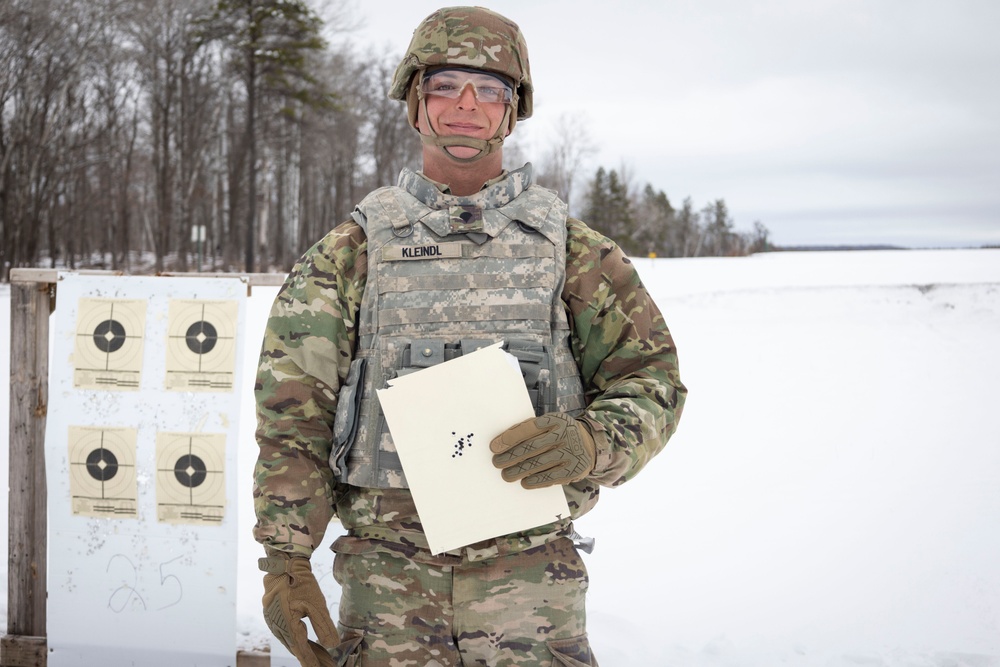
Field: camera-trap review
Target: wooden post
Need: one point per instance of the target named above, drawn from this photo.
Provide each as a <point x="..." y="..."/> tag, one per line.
<point x="26" y="538"/>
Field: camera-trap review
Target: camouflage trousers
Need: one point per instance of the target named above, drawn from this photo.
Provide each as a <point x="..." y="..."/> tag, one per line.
<point x="525" y="609"/>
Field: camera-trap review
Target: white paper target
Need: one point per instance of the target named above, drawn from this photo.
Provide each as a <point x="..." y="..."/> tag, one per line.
<point x="109" y="344"/>
<point x="102" y="473"/>
<point x="201" y="345"/>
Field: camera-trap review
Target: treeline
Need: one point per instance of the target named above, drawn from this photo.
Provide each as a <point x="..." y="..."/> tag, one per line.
<point x="645" y="224"/>
<point x="226" y="135"/>
<point x="125" y="126"/>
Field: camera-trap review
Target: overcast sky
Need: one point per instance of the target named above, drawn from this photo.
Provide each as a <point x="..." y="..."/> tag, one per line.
<point x="830" y="121"/>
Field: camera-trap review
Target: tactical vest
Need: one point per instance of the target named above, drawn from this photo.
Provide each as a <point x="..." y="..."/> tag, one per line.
<point x="448" y="275"/>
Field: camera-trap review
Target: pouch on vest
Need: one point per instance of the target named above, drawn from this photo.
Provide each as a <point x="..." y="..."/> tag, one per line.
<point x="345" y="422"/>
<point x="420" y="354"/>
<point x="533" y="358"/>
<point x="424" y="353"/>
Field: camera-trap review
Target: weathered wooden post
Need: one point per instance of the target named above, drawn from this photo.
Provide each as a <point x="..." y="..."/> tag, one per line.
<point x="24" y="645"/>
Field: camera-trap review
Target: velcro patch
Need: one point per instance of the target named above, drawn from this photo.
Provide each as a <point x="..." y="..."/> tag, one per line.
<point x="428" y="251"/>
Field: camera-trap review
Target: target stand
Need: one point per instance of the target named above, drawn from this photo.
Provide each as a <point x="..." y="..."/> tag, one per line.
<point x="140" y="463"/>
<point x="82" y="474"/>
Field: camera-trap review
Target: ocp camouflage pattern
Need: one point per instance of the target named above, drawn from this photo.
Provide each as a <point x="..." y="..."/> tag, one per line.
<point x="468" y="37"/>
<point x="626" y="356"/>
<point x="525" y="608"/>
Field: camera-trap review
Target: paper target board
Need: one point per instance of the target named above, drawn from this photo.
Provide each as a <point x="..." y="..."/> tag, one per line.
<point x="140" y="447"/>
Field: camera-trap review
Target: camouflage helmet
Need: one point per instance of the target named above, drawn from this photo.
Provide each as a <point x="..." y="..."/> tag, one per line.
<point x="468" y="37"/>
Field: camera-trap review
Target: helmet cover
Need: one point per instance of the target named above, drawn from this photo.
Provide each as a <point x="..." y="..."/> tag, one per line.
<point x="472" y="37"/>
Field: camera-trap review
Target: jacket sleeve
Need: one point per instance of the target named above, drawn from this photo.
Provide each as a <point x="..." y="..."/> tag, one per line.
<point x="625" y="353"/>
<point x="306" y="353"/>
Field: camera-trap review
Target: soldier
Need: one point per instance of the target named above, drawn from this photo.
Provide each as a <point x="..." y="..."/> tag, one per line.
<point x="459" y="255"/>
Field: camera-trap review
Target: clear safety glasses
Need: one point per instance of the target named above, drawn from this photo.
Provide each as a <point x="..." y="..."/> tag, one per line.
<point x="451" y="82"/>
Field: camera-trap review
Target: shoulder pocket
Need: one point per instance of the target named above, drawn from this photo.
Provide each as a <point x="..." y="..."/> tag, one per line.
<point x="345" y="423"/>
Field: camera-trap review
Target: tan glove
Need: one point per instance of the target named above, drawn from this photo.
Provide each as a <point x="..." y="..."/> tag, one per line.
<point x="544" y="451"/>
<point x="292" y="593"/>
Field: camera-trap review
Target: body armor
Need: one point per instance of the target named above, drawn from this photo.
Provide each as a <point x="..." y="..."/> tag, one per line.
<point x="448" y="275"/>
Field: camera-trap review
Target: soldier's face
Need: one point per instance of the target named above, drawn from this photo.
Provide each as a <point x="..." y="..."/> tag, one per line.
<point x="464" y="115"/>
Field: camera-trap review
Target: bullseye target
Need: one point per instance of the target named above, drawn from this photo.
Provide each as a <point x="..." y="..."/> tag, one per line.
<point x="102" y="471"/>
<point x="109" y="344"/>
<point x="190" y="477"/>
<point x="201" y="345"/>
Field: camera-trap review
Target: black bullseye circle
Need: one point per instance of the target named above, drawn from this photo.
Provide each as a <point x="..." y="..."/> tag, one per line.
<point x="190" y="471"/>
<point x="102" y="465"/>
<point x="109" y="336"/>
<point x="201" y="337"/>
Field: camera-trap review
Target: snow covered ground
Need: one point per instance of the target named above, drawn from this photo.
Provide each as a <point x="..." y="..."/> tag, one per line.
<point x="832" y="497"/>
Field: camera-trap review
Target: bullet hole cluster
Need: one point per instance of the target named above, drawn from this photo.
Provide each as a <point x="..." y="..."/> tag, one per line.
<point x="461" y="444"/>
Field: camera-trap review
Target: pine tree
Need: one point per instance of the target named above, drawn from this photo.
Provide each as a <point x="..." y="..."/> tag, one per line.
<point x="622" y="219"/>
<point x="269" y="42"/>
<point x="595" y="210"/>
<point x="608" y="208"/>
<point x="654" y="223"/>
<point x="720" y="240"/>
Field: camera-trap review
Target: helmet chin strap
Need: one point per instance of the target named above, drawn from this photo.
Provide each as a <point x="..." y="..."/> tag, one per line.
<point x="484" y="146"/>
<point x="445" y="142"/>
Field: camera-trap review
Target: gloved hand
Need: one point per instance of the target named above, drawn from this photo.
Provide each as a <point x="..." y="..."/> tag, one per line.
<point x="292" y="593"/>
<point x="544" y="451"/>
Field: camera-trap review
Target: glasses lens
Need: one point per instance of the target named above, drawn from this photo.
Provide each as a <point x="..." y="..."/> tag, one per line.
<point x="451" y="83"/>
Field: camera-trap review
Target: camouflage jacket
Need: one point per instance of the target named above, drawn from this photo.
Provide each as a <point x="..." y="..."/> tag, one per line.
<point x="625" y="353"/>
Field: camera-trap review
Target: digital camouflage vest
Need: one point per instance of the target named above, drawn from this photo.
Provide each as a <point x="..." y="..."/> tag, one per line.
<point x="448" y="275"/>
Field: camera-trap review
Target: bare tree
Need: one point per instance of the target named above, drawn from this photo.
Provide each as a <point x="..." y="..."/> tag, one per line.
<point x="43" y="50"/>
<point x="720" y="240"/>
<point x="686" y="237"/>
<point x="158" y="29"/>
<point x="116" y="102"/>
<point x="394" y="144"/>
<point x="570" y="147"/>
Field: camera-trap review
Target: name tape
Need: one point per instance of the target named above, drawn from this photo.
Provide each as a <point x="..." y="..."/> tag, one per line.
<point x="430" y="251"/>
